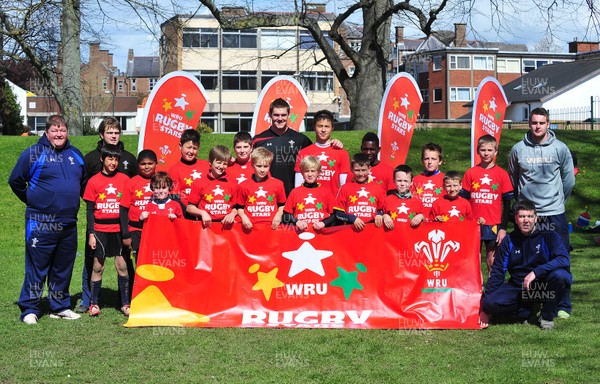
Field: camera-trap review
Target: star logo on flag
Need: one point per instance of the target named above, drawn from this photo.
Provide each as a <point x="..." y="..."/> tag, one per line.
<point x="189" y="114"/>
<point x="167" y="105"/>
<point x="429" y="185"/>
<point x="218" y="191"/>
<point x="485" y="179"/>
<point x="110" y="190"/>
<point x="102" y="196"/>
<point x="293" y="117"/>
<point x="485" y="106"/>
<point x="403" y="209"/>
<point x="454" y="212"/>
<point x="348" y="281"/>
<point x="306" y="257"/>
<point x="261" y="192"/>
<point x="267" y="281"/>
<point x="196" y="175"/>
<point x="310" y="199"/>
<point x="363" y="193"/>
<point x="493" y="104"/>
<point x="180" y="102"/>
<point x="209" y="197"/>
<point x="405" y="102"/>
<point x="396" y="104"/>
<point x="323" y="157"/>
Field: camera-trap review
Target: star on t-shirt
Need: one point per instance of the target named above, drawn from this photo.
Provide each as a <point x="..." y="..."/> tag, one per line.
<point x="429" y="185"/>
<point x="363" y="192"/>
<point x="196" y="175"/>
<point x="310" y="199"/>
<point x="323" y="157"/>
<point x="241" y="178"/>
<point x="261" y="192"/>
<point x="485" y="180"/>
<point x="454" y="211"/>
<point x="110" y="190"/>
<point x="218" y="191"/>
<point x="403" y="209"/>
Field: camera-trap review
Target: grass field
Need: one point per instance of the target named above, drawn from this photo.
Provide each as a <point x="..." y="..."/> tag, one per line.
<point x="100" y="350"/>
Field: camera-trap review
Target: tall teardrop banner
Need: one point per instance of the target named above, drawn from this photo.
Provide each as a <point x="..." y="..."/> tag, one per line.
<point x="489" y="108"/>
<point x="287" y="88"/>
<point x="397" y="118"/>
<point x="175" y="104"/>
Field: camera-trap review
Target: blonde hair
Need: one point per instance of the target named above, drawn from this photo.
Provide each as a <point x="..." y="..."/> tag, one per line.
<point x="309" y="162"/>
<point x="261" y="154"/>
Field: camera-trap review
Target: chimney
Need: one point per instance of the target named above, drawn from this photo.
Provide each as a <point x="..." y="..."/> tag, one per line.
<point x="233" y="11"/>
<point x="130" y="54"/>
<point x="460" y="34"/>
<point x="583" y="46"/>
<point x="399" y="35"/>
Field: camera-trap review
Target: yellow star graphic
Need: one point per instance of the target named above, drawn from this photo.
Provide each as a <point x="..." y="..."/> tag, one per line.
<point x="300" y="206"/>
<point x="102" y="196"/>
<point x="419" y="190"/>
<point x="394" y="215"/>
<point x="485" y="106"/>
<point x="267" y="282"/>
<point x="445" y="217"/>
<point x="139" y="193"/>
<point x="167" y="105"/>
<point x="353" y="199"/>
<point x="476" y="185"/>
<point x="251" y="199"/>
<point x="208" y="197"/>
<point x="188" y="181"/>
<point x="396" y="104"/>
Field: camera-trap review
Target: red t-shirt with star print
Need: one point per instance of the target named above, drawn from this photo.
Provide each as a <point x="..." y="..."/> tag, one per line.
<point x="361" y="200"/>
<point x="137" y="195"/>
<point x="309" y="204"/>
<point x="261" y="199"/>
<point x="238" y="173"/>
<point x="334" y="162"/>
<point x="428" y="188"/>
<point x="458" y="209"/>
<point x="215" y="196"/>
<point x="184" y="175"/>
<point x="403" y="210"/>
<point x="486" y="187"/>
<point x="164" y="209"/>
<point x="383" y="175"/>
<point x="106" y="193"/>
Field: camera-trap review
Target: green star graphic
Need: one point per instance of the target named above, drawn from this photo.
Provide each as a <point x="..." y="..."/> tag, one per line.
<point x="348" y="281"/>
<point x="119" y="195"/>
<point x="461" y="218"/>
<point x="495" y="186"/>
<point x="438" y="191"/>
<point x="319" y="206"/>
<point x="293" y="117"/>
<point x="331" y="163"/>
<point x="372" y="199"/>
<point x="271" y="198"/>
<point x="411" y="215"/>
<point x="498" y="115"/>
<point x="227" y="197"/>
<point x="410" y="114"/>
<point x="189" y="114"/>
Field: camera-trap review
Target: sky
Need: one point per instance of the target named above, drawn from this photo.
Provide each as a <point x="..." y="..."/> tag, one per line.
<point x="521" y="24"/>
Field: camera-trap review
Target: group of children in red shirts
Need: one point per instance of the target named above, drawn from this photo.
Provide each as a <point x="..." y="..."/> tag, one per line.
<point x="330" y="190"/>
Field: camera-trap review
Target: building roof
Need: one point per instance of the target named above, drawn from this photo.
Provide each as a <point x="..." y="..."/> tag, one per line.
<point x="143" y="66"/>
<point x="551" y="80"/>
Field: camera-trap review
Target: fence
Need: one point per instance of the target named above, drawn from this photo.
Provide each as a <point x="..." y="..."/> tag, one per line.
<point x="577" y="116"/>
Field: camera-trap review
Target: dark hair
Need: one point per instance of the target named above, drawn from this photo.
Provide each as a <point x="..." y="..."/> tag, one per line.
<point x="147" y="154"/>
<point x="323" y="114"/>
<point x="540" y="111"/>
<point x="370" y="136"/>
<point x="360" y="159"/>
<point x="432" y="147"/>
<point x="219" y="153"/>
<point x="190" y="135"/>
<point x="452" y="175"/>
<point x="109" y="122"/>
<point x="244" y="137"/>
<point x="56" y="120"/>
<point x="487" y="139"/>
<point x="404" y="168"/>
<point x="160" y="180"/>
<point x="110" y="150"/>
<point x="279" y="103"/>
<point x="524" y="205"/>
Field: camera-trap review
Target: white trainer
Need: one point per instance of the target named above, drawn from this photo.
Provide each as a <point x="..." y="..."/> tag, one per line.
<point x="30" y="319"/>
<point x="67" y="314"/>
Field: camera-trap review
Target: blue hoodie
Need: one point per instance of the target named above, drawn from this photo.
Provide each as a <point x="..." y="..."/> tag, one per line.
<point x="50" y="181"/>
<point x="542" y="173"/>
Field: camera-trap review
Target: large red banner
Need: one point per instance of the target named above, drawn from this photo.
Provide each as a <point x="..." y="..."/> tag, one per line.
<point x="284" y="87"/>
<point x="397" y="118"/>
<point x="489" y="109"/>
<point x="175" y="104"/>
<point x="425" y="278"/>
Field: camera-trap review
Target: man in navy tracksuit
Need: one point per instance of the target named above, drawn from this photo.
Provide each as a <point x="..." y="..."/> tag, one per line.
<point x="538" y="264"/>
<point x="49" y="178"/>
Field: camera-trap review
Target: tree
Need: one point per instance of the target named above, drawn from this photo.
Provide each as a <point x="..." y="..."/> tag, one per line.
<point x="11" y="120"/>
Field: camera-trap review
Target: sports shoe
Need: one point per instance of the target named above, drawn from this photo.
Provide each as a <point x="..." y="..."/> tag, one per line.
<point x="81" y="309"/>
<point x="67" y="314"/>
<point x="94" y="310"/>
<point x="546" y="325"/>
<point x="563" y="314"/>
<point x="125" y="310"/>
<point x="30" y="319"/>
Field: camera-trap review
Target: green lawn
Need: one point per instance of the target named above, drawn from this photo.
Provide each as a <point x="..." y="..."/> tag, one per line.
<point x="101" y="350"/>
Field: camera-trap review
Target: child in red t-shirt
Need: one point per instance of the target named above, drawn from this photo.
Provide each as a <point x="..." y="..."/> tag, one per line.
<point x="359" y="201"/>
<point x="451" y="207"/>
<point x="189" y="168"/>
<point x="261" y="198"/>
<point x="240" y="170"/>
<point x="160" y="204"/>
<point x="309" y="203"/>
<point x="212" y="198"/>
<point x="401" y="206"/>
<point x="102" y="195"/>
<point x="429" y="184"/>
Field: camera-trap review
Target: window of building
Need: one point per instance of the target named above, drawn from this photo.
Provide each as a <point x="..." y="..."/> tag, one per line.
<point x="153" y="82"/>
<point x="200" y="38"/>
<point x="425" y="95"/>
<point x="133" y="84"/>
<point x="210" y="119"/>
<point x="246" y="38"/>
<point x="509" y="66"/>
<point x="120" y="86"/>
<point x="460" y="62"/>
<point x="530" y="65"/>
<point x="317" y="81"/>
<point x="268" y="75"/>
<point x="437" y="63"/>
<point x="237" y="123"/>
<point x="239" y="80"/>
<point x="437" y="95"/>
<point x="485" y="63"/>
<point x="208" y="79"/>
<point x="37" y="123"/>
<point x="460" y="94"/>
<point x="277" y="39"/>
<point x="307" y="41"/>
<point x="105" y="83"/>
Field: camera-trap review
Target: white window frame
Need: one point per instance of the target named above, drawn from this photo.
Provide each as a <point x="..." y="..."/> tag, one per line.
<point x="487" y="60"/>
<point x="455" y="94"/>
<point x="454" y="62"/>
<point x="504" y="67"/>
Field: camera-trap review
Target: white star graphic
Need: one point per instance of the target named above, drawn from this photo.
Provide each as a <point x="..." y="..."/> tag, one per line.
<point x="218" y="191"/>
<point x="403" y="209"/>
<point x="306" y="257"/>
<point x="180" y="102"/>
<point x="323" y="157"/>
<point x="363" y="192"/>
<point x="454" y="211"/>
<point x="405" y="102"/>
<point x="241" y="178"/>
<point x="310" y="199"/>
<point x="261" y="192"/>
<point x="110" y="190"/>
<point x="147" y="188"/>
<point x="292" y="142"/>
<point x="429" y="185"/>
<point x="493" y="104"/>
<point x="196" y="175"/>
<point x="485" y="180"/>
